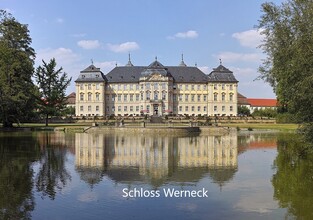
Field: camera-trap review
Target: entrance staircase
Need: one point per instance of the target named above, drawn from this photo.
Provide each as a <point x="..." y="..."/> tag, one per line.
<point x="156" y="119"/>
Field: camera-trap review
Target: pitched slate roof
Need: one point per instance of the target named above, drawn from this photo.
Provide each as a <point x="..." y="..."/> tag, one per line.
<point x="180" y="74"/>
<point x="91" y="74"/>
<point x="242" y="100"/>
<point x="221" y="74"/>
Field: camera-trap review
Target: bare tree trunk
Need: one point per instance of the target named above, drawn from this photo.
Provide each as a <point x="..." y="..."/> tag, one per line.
<point x="47" y="119"/>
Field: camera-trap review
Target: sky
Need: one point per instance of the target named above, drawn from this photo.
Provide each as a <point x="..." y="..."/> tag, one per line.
<point x="77" y="33"/>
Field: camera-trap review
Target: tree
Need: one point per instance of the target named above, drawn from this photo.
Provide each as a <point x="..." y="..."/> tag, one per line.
<point x="52" y="85"/>
<point x="16" y="70"/>
<point x="243" y="110"/>
<point x="288" y="44"/>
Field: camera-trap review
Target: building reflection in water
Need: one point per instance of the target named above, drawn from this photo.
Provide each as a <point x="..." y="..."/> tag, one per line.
<point x="155" y="159"/>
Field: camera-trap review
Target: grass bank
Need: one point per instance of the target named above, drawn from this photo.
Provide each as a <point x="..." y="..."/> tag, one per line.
<point x="282" y="127"/>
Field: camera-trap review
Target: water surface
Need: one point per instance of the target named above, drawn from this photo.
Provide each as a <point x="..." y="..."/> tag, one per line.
<point x="55" y="175"/>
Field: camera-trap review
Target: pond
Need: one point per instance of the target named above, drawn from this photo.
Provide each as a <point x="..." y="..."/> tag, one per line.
<point x="247" y="175"/>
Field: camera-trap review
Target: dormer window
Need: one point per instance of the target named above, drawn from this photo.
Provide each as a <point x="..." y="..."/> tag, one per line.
<point x="97" y="76"/>
<point x="83" y="76"/>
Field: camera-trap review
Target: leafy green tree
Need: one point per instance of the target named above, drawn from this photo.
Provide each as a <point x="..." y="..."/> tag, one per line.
<point x="288" y="44"/>
<point x="52" y="85"/>
<point x="267" y="112"/>
<point x="293" y="180"/>
<point x="243" y="110"/>
<point x="16" y="70"/>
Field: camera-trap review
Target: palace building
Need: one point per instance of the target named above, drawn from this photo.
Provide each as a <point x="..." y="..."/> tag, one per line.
<point x="156" y="90"/>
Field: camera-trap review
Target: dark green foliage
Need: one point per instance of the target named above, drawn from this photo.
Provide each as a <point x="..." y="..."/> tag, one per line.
<point x="243" y="110"/>
<point x="268" y="112"/>
<point x="16" y="70"/>
<point x="288" y="44"/>
<point x="52" y="85"/>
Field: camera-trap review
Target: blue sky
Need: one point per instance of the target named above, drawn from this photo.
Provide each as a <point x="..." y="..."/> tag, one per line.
<point x="74" y="32"/>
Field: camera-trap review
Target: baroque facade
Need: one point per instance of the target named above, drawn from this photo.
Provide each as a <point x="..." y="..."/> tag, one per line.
<point x="156" y="90"/>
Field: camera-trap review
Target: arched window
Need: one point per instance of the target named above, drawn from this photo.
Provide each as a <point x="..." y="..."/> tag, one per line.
<point x="89" y="96"/>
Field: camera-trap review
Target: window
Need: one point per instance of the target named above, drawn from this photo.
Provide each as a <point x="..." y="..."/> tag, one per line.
<point x="186" y="87"/>
<point x="163" y="86"/>
<point x="141" y="86"/>
<point x="180" y="108"/>
<point x="215" y="86"/>
<point x="155" y="95"/>
<point x="204" y="108"/>
<point x="137" y="97"/>
<point x="215" y="96"/>
<point x="97" y="96"/>
<point x="156" y="85"/>
<point x="192" y="108"/>
<point x="107" y="97"/>
<point x="148" y="108"/>
<point x="231" y="108"/>
<point x="192" y="98"/>
<point x="125" y="86"/>
<point x="113" y="108"/>
<point x="97" y="86"/>
<point x="223" y="86"/>
<point x="113" y="98"/>
<point x="148" y="95"/>
<point x="119" y="87"/>
<point x="82" y="108"/>
<point x="141" y="107"/>
<point x="163" y="95"/>
<point x="119" y="108"/>
<point x="223" y="96"/>
<point x="141" y="96"/>
<point x="147" y="85"/>
<point x="199" y="98"/>
<point x="186" y="108"/>
<point x="215" y="108"/>
<point x="198" y="87"/>
<point x="89" y="86"/>
<point x="174" y="97"/>
<point x="131" y="108"/>
<point x="223" y="108"/>
<point x="186" y="97"/>
<point x="131" y="97"/>
<point x="180" y="97"/>
<point x="119" y="97"/>
<point x="125" y="108"/>
<point x="192" y="87"/>
<point x="231" y="96"/>
<point x="131" y="87"/>
<point x="89" y="96"/>
<point x="204" y="87"/>
<point x="89" y="108"/>
<point x="125" y="97"/>
<point x="108" y="109"/>
<point x="137" y="86"/>
<point x="199" y="108"/>
<point x="137" y="108"/>
<point x="180" y="86"/>
<point x="230" y="87"/>
<point x="81" y="96"/>
<point x="204" y="98"/>
<point x="81" y="86"/>
<point x="97" y="108"/>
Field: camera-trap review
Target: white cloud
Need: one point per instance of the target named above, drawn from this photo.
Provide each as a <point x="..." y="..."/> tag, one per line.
<point x="89" y="44"/>
<point x="62" y="55"/>
<point x="123" y="47"/>
<point x="251" y="38"/>
<point x="234" y="57"/>
<point x="185" y="35"/>
<point x="79" y="35"/>
<point x="60" y="20"/>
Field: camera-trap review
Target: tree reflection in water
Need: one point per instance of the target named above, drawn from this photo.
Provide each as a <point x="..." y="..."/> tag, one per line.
<point x="16" y="175"/>
<point x="52" y="173"/>
<point x="293" y="180"/>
